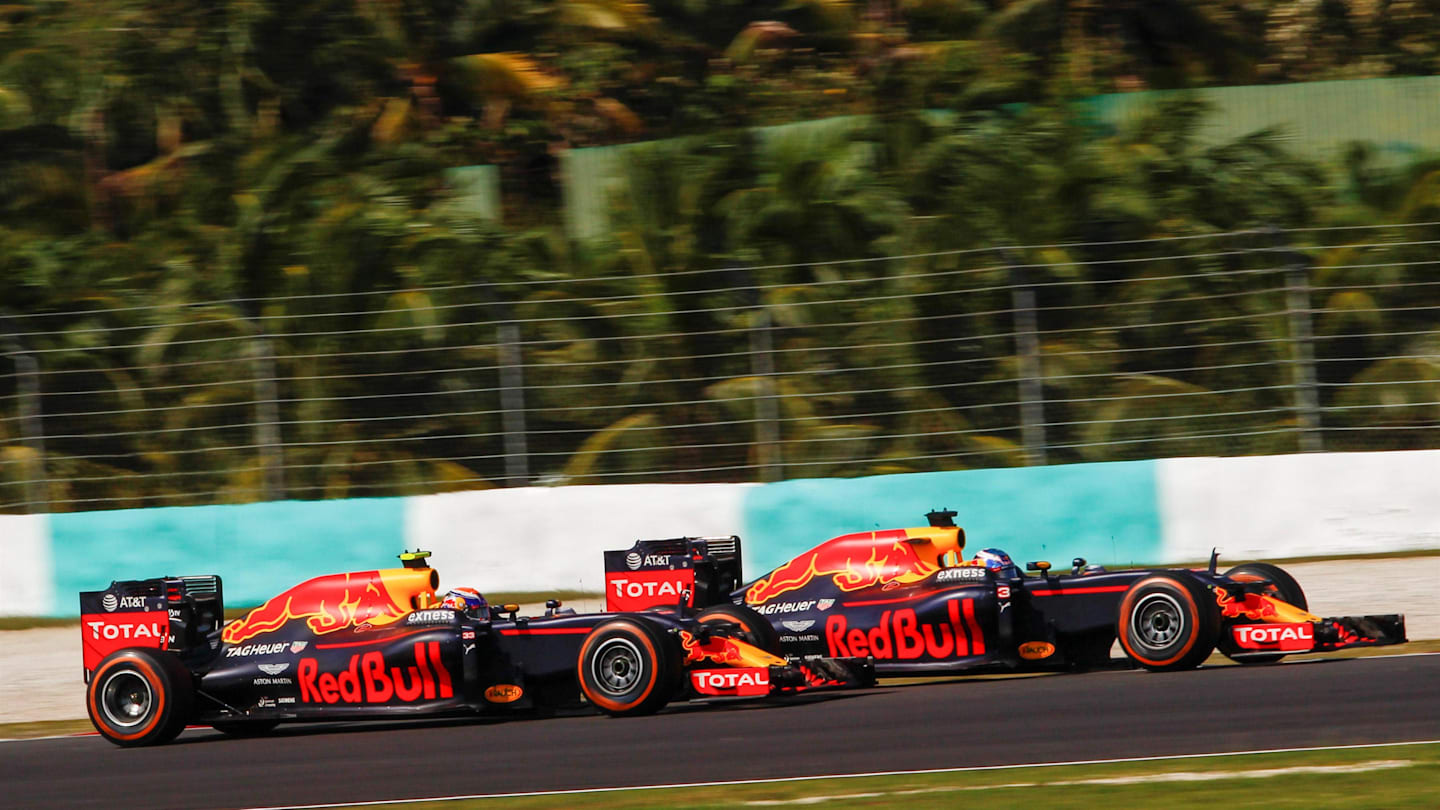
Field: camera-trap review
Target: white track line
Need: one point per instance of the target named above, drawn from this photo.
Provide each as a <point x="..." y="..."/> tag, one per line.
<point x="973" y="768"/>
<point x="1177" y="776"/>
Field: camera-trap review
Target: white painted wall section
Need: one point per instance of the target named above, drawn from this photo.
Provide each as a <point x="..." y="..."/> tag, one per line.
<point x="1299" y="505"/>
<point x="545" y="538"/>
<point x="27" y="581"/>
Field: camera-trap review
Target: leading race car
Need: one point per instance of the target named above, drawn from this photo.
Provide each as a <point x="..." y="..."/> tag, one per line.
<point x="909" y="600"/>
<point x="384" y="644"/>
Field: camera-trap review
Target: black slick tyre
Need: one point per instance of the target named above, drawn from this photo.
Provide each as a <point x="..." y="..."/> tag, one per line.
<point x="1282" y="586"/>
<point x="1168" y="622"/>
<point x="627" y="668"/>
<point x="750" y="627"/>
<point x="140" y="697"/>
<point x="245" y="728"/>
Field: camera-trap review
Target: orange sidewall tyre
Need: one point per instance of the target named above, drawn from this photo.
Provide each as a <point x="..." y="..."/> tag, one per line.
<point x="163" y="686"/>
<point x="1168" y="622"/>
<point x="626" y="667"/>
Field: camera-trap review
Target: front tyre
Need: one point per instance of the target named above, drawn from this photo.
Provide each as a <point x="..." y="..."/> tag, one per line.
<point x="750" y="627"/>
<point x="1168" y="622"/>
<point x="140" y="697"/>
<point x="628" y="668"/>
<point x="1282" y="586"/>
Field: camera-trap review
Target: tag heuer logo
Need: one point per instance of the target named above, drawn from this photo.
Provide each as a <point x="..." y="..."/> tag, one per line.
<point x="825" y="604"/>
<point x="633" y="560"/>
<point x="297" y="646"/>
<point x="109" y="602"/>
<point x="274" y="669"/>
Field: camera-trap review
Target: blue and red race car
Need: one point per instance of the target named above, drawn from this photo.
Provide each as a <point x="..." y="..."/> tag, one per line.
<point x="383" y="643"/>
<point x="909" y="600"/>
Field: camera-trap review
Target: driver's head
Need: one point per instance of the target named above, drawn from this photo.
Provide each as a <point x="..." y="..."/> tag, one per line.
<point x="994" y="559"/>
<point x="463" y="599"/>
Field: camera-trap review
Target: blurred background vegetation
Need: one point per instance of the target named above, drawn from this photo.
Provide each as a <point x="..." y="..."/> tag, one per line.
<point x="179" y="180"/>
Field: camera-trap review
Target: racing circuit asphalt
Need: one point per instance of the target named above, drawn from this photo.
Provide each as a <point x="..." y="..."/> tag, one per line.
<point x="955" y="723"/>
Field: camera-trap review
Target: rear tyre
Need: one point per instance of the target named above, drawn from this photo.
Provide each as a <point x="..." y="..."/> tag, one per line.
<point x="628" y="668"/>
<point x="140" y="697"/>
<point x="1282" y="586"/>
<point x="1168" y="622"/>
<point x="749" y="626"/>
<point x="245" y="728"/>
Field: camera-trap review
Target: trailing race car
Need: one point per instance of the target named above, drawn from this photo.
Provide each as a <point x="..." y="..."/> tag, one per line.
<point x="907" y="599"/>
<point x="383" y="644"/>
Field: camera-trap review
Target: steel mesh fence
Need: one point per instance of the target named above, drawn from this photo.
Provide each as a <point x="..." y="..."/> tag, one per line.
<point x="1215" y="344"/>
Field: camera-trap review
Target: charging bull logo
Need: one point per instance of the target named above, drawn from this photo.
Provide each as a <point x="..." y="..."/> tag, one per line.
<point x="1253" y="606"/>
<point x="717" y="649"/>
<point x="852" y="561"/>
<point x="367" y="680"/>
<point x="327" y="604"/>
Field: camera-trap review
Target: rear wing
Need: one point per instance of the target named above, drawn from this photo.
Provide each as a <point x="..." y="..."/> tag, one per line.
<point x="683" y="571"/>
<point x="180" y="614"/>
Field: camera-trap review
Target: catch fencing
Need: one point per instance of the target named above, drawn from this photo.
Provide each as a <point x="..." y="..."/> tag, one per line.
<point x="1256" y="342"/>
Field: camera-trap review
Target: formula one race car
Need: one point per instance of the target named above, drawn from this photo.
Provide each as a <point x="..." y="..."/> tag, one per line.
<point x="908" y="600"/>
<point x="383" y="644"/>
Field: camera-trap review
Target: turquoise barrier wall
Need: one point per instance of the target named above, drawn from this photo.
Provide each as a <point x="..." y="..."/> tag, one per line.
<point x="1106" y="513"/>
<point x="258" y="549"/>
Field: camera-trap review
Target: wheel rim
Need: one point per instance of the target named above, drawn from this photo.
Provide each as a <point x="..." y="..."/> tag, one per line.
<point x="617" y="666"/>
<point x="126" y="699"/>
<point x="1157" y="621"/>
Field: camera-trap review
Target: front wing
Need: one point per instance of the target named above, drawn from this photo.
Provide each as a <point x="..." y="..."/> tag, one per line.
<point x="1324" y="635"/>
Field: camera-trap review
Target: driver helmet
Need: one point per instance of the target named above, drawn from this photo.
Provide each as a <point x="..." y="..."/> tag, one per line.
<point x="463" y="599"/>
<point x="995" y="560"/>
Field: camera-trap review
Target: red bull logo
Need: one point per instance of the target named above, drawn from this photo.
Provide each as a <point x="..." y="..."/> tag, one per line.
<point x="335" y="602"/>
<point x="367" y="680"/>
<point x="852" y="561"/>
<point x="1253" y="606"/>
<point x="902" y="636"/>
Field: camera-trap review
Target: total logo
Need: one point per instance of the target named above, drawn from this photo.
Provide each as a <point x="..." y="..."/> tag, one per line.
<point x="901" y="635"/>
<point x="367" y="680"/>
<point x="1297" y="636"/>
<point x="111" y="603"/>
<point x="634" y="589"/>
<point x="785" y="607"/>
<point x="709" y="681"/>
<point x="111" y="631"/>
<point x="258" y="649"/>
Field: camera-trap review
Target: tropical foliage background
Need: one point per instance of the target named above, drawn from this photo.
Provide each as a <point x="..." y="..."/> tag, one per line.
<point x="229" y="245"/>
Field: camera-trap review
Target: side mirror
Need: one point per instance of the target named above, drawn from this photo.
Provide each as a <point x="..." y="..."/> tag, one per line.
<point x="1038" y="565"/>
<point x="551" y="605"/>
<point x="1077" y="564"/>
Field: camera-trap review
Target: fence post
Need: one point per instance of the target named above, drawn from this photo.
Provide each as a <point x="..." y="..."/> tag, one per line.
<point x="512" y="400"/>
<point x="1027" y="352"/>
<point x="267" y="420"/>
<point x="767" y="406"/>
<point x="1302" y="351"/>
